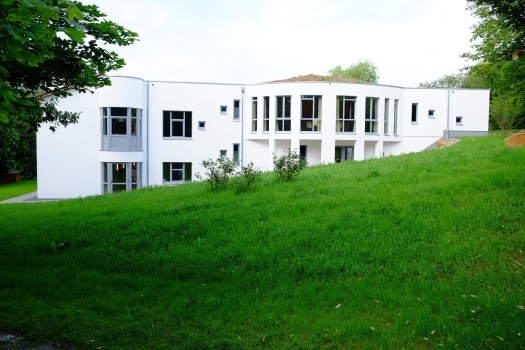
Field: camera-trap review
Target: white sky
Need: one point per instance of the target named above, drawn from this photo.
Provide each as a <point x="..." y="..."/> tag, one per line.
<point x="251" y="41"/>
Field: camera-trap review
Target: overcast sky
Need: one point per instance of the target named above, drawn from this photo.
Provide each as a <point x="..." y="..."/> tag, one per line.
<point x="251" y="41"/>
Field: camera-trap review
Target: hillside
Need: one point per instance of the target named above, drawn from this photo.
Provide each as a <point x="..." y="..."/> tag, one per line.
<point x="416" y="251"/>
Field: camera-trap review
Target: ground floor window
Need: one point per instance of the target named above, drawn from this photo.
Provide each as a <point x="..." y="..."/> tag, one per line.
<point x="176" y="173"/>
<point x="344" y="153"/>
<point x="120" y="177"/>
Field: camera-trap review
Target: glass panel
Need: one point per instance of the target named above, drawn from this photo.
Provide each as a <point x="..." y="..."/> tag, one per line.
<point x="178" y="166"/>
<point x="279" y="125"/>
<point x="279" y="107"/>
<point x="118" y="126"/>
<point x="119" y="112"/>
<point x="318" y="107"/>
<point x="307" y="108"/>
<point x="236" y="103"/>
<point x="119" y="188"/>
<point x="374" y="108"/>
<point x="266" y="107"/>
<point x="176" y="175"/>
<point x="104" y="172"/>
<point x="177" y="128"/>
<point x="133" y="112"/>
<point x="187" y="171"/>
<point x="119" y="173"/>
<point x="166" y="171"/>
<point x="339" y="107"/>
<point x="104" y="126"/>
<point x="287" y="106"/>
<point x="266" y="125"/>
<point x="104" y="112"/>
<point x="287" y="125"/>
<point x="177" y="115"/>
<point x="349" y="126"/>
<point x="306" y="125"/>
<point x="367" y="126"/>
<point x="317" y="125"/>
<point x="236" y="114"/>
<point x="134" y="126"/>
<point x="348" y="109"/>
<point x="133" y="187"/>
<point x="105" y="188"/>
<point x="134" y="177"/>
<point x="414" y="112"/>
<point x="166" y="117"/>
<point x="187" y="124"/>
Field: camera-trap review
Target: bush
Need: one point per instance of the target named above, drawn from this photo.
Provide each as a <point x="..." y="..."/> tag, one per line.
<point x="246" y="177"/>
<point x="289" y="165"/>
<point x="218" y="172"/>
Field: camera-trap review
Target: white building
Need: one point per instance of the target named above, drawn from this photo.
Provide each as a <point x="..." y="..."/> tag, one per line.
<point x="140" y="133"/>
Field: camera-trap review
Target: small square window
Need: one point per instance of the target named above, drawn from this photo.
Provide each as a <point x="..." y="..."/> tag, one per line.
<point x="223" y="153"/>
<point x="224" y="109"/>
<point x="431" y="113"/>
<point x="459" y="120"/>
<point x="202" y="125"/>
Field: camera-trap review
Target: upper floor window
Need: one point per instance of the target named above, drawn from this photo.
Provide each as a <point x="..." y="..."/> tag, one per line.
<point x="311" y="113"/>
<point x="254" y="114"/>
<point x="396" y="106"/>
<point x="345" y="110"/>
<point x="387" y="111"/>
<point x="266" y="114"/>
<point x="224" y="109"/>
<point x="431" y="113"/>
<point x="176" y="124"/>
<point x="283" y="120"/>
<point x="236" y="109"/>
<point x="121" y="129"/>
<point x="371" y="121"/>
<point x="414" y="113"/>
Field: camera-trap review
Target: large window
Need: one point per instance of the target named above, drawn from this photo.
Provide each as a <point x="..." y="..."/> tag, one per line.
<point x="121" y="129"/>
<point x="283" y="120"/>
<point x="396" y="105"/>
<point x="236" y="147"/>
<point x="254" y="114"/>
<point x="345" y="110"/>
<point x="371" y="121"/>
<point x="266" y="114"/>
<point x="176" y="173"/>
<point x="119" y="177"/>
<point x="311" y="113"/>
<point x="387" y="111"/>
<point x="176" y="124"/>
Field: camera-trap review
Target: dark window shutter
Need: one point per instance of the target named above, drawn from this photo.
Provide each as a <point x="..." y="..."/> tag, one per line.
<point x="187" y="124"/>
<point x="166" y="124"/>
<point x="166" y="171"/>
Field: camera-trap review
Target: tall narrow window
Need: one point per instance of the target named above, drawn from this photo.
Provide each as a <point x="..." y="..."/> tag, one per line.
<point x="283" y="121"/>
<point x="176" y="173"/>
<point x="121" y="129"/>
<point x="414" y="113"/>
<point x="311" y="107"/>
<point x="266" y="114"/>
<point x="396" y="104"/>
<point x="134" y="124"/>
<point x="104" y="121"/>
<point x="345" y="110"/>
<point x="254" y="114"/>
<point x="387" y="111"/>
<point x="236" y="109"/>
<point x="371" y="115"/>
<point x="176" y="124"/>
<point x="236" y="152"/>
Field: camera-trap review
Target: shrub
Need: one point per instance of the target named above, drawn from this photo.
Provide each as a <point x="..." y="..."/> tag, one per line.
<point x="246" y="177"/>
<point x="218" y="172"/>
<point x="288" y="165"/>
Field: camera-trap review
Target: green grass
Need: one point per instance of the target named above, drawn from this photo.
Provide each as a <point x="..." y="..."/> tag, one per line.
<point x="417" y="251"/>
<point x="16" y="189"/>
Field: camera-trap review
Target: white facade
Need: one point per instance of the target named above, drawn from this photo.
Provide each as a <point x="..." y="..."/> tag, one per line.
<point x="140" y="133"/>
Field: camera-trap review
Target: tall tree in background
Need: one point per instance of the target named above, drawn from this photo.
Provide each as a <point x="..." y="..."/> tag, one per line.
<point x="363" y="71"/>
<point x="46" y="46"/>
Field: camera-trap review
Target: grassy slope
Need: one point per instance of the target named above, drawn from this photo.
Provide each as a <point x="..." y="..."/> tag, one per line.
<point x="419" y="251"/>
<point x="16" y="189"/>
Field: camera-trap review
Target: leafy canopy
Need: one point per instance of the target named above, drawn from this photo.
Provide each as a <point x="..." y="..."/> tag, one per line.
<point x="363" y="71"/>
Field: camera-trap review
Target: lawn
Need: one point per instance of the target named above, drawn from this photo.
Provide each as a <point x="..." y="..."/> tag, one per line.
<point x="16" y="189"/>
<point x="418" y="251"/>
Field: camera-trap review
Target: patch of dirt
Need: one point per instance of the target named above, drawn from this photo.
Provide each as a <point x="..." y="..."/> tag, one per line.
<point x="442" y="143"/>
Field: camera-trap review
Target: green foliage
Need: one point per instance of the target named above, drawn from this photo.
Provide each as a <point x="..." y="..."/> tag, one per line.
<point x="459" y="80"/>
<point x="246" y="177"/>
<point x="504" y="111"/>
<point x="429" y="254"/>
<point x="363" y="71"/>
<point x="218" y="172"/>
<point x="49" y="46"/>
<point x="288" y="165"/>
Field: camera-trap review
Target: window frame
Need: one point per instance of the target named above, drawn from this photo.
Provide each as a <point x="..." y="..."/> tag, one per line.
<point x="254" y="114"/>
<point x="372" y="115"/>
<point x="460" y="122"/>
<point x="285" y="117"/>
<point x="132" y="175"/>
<point x="225" y="112"/>
<point x="341" y="114"/>
<point x="167" y="167"/>
<point x="203" y="127"/>
<point x="414" y="113"/>
<point x="237" y="110"/>
<point x="396" y="117"/>
<point x="431" y="114"/>
<point x="317" y="114"/>
<point x="236" y="153"/>
<point x="386" y="117"/>
<point x="266" y="113"/>
<point x="187" y="125"/>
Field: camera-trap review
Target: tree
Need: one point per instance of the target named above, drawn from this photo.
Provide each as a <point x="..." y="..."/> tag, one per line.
<point x="446" y="81"/>
<point x="363" y="71"/>
<point x="50" y="46"/>
<point x="505" y="109"/>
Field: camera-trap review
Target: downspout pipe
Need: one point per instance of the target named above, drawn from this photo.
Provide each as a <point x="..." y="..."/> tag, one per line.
<point x="448" y="114"/>
<point x="242" y="126"/>
<point x="147" y="133"/>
